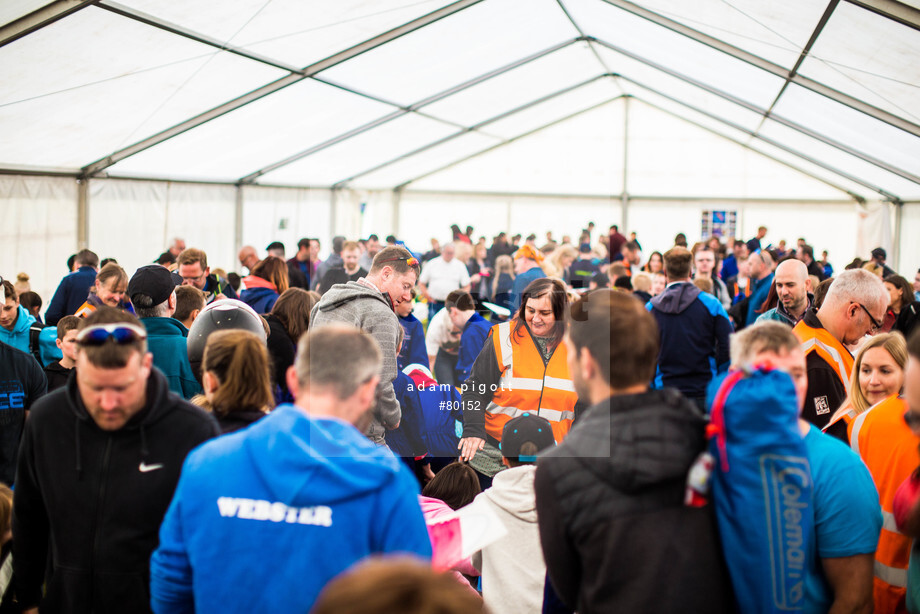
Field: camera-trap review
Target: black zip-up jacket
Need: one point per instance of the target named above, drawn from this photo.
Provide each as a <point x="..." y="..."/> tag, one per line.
<point x="100" y="496"/>
<point x="615" y="532"/>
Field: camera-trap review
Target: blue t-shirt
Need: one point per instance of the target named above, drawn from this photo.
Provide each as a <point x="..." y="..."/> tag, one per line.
<point x="520" y="284"/>
<point x="848" y="517"/>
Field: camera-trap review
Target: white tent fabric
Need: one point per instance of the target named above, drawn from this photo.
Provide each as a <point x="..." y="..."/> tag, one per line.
<point x="352" y="106"/>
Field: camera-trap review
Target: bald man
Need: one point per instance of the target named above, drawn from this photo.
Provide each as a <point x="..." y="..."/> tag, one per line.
<point x="248" y="257"/>
<point x="794" y="291"/>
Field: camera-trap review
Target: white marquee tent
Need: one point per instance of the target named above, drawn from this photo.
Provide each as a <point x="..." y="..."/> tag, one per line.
<point x="245" y="121"/>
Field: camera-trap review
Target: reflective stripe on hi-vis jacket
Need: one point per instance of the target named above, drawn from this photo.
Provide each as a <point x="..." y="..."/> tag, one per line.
<point x="820" y="341"/>
<point x="848" y="416"/>
<point x="527" y="384"/>
<point x="888" y="447"/>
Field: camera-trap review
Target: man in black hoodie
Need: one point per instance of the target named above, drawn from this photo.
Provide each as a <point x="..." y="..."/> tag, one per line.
<point x="615" y="532"/>
<point x="98" y="464"/>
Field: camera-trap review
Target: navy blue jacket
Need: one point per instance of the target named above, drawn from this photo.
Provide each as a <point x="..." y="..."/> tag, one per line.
<point x="70" y="294"/>
<point x="260" y="299"/>
<point x="413" y="350"/>
<point x="471" y="341"/>
<point x="694" y="329"/>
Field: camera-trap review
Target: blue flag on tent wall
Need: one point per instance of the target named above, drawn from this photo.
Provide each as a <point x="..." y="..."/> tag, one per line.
<point x="762" y="488"/>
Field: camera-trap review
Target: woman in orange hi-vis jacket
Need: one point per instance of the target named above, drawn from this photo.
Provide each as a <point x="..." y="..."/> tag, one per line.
<point x="890" y="450"/>
<point x="522" y="368"/>
<point x="878" y="373"/>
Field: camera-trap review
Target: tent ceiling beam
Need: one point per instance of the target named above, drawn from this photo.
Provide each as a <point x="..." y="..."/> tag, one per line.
<point x="775" y="69"/>
<point x="760" y="111"/>
<point x="36" y="20"/>
<point x="583" y="35"/>
<point x="467" y="130"/>
<point x="508" y="141"/>
<point x="160" y="24"/>
<point x="760" y="137"/>
<point x="277" y="85"/>
<point x="856" y="197"/>
<point x="896" y="11"/>
<point x="414" y="108"/>
<point x="804" y="54"/>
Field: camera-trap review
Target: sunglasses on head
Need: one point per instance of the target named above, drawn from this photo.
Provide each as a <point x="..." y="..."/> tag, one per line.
<point x="118" y="333"/>
<point x="411" y="260"/>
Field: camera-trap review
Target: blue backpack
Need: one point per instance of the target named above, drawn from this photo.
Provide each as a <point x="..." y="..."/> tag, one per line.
<point x="762" y="488"/>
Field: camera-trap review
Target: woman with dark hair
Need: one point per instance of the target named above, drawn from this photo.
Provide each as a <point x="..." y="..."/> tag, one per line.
<point x="269" y="279"/>
<point x="287" y="322"/>
<point x="903" y="310"/>
<point x="237" y="387"/>
<point x="454" y="486"/>
<point x="655" y="263"/>
<point x="521" y="368"/>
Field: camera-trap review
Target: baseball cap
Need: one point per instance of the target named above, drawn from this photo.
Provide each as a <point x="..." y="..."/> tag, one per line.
<point x="527" y="428"/>
<point x="152" y="280"/>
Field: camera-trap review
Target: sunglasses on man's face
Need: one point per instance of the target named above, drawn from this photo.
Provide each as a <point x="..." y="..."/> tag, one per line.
<point x="118" y="333"/>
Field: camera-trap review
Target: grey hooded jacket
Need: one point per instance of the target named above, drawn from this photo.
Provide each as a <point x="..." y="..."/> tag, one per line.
<point x="367" y="309"/>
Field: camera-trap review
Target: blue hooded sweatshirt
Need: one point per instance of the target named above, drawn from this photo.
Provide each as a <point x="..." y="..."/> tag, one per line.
<point x="474" y="337"/>
<point x="264" y="518"/>
<point x="19" y="336"/>
<point x="694" y="329"/>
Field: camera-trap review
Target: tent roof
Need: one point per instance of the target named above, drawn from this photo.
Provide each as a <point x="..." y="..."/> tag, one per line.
<point x="405" y="94"/>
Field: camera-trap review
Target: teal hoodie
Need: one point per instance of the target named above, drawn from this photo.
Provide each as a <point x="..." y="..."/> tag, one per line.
<point x="166" y="340"/>
<point x="19" y="336"/>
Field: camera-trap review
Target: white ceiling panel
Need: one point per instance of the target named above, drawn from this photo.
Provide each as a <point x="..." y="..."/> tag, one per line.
<point x="257" y="135"/>
<point x="869" y="57"/>
<point x="687" y="57"/>
<point x="362" y="152"/>
<point x="455" y="49"/>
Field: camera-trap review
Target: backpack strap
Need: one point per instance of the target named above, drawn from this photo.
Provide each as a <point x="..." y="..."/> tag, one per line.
<point x="34" y="349"/>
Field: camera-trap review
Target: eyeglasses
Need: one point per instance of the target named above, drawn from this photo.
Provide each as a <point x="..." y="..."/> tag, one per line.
<point x="875" y="325"/>
<point x="411" y="260"/>
<point x="119" y="333"/>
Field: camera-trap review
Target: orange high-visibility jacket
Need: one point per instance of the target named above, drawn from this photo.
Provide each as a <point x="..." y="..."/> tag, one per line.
<point x="889" y="448"/>
<point x="528" y="384"/>
<point x="834" y="354"/>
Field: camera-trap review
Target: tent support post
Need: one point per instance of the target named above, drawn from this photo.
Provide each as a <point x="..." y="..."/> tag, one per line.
<point x="624" y="195"/>
<point x="396" y="200"/>
<point x="238" y="218"/>
<point x="898" y="215"/>
<point x="82" y="213"/>
<point x="332" y="213"/>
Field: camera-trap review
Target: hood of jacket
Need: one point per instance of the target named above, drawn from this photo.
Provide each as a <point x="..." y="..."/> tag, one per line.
<point x="434" y="510"/>
<point x="24" y="320"/>
<point x="675" y="299"/>
<point x="252" y="282"/>
<point x="308" y="461"/>
<point x="633" y="442"/>
<point x="164" y="326"/>
<point x="513" y="491"/>
<point x="340" y="294"/>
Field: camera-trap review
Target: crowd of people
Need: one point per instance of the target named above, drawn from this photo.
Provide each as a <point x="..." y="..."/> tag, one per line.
<point x="514" y="426"/>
